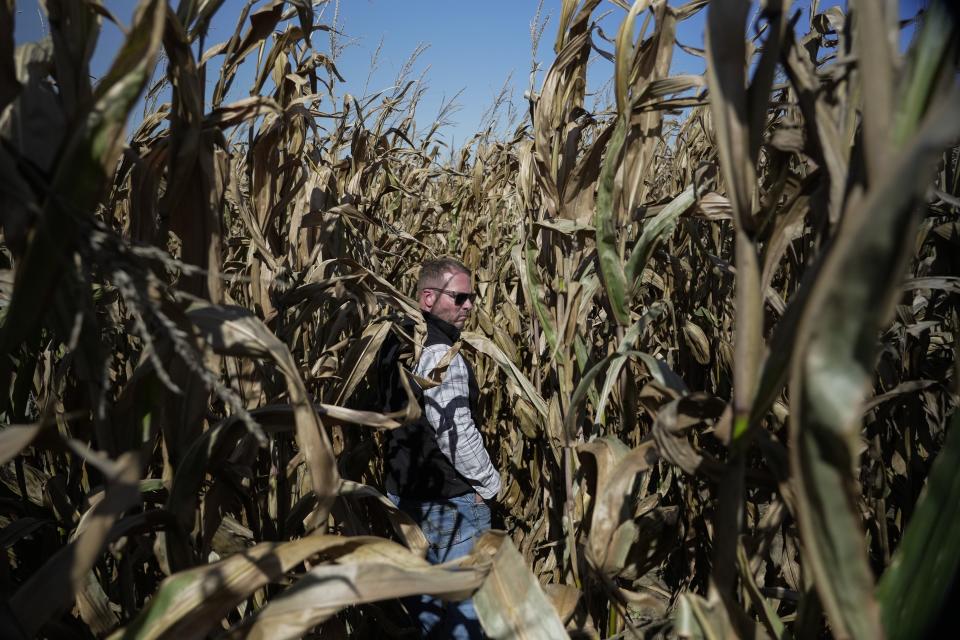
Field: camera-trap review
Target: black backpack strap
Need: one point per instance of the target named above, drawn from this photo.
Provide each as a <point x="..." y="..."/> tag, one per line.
<point x="391" y="395"/>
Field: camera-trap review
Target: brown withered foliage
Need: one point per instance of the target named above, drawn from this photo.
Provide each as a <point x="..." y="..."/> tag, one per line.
<point x="715" y="335"/>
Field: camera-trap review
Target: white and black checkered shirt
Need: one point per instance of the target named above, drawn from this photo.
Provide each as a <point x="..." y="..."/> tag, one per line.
<point x="447" y="408"/>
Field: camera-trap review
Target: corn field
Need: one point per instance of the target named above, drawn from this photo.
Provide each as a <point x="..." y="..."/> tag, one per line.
<point x="716" y="331"/>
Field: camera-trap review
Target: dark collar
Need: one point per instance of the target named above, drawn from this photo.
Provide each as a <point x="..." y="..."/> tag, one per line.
<point x="448" y="329"/>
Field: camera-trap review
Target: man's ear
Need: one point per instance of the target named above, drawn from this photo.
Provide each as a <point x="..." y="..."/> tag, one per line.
<point x="427" y="299"/>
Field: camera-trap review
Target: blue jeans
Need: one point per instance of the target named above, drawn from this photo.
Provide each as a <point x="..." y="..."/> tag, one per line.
<point x="450" y="525"/>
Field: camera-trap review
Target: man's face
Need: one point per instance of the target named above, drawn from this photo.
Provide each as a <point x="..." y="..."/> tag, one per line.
<point x="440" y="301"/>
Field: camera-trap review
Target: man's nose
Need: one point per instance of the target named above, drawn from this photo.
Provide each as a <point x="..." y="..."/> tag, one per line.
<point x="467" y="305"/>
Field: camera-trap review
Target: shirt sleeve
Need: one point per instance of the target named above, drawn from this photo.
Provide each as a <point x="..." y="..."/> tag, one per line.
<point x="447" y="408"/>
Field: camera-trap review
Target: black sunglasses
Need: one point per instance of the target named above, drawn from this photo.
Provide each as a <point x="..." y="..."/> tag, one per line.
<point x="459" y="297"/>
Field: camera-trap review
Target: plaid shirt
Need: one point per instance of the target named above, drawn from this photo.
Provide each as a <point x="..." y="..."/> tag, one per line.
<point x="447" y="408"/>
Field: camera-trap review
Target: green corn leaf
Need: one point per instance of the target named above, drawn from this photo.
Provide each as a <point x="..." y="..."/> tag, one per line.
<point x="856" y="288"/>
<point x="87" y="160"/>
<point x="534" y="286"/>
<point x="608" y="255"/>
<point x="654" y="231"/>
<point x="915" y="585"/>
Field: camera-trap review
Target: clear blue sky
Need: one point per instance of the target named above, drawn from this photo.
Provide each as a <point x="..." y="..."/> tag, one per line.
<point x="473" y="47"/>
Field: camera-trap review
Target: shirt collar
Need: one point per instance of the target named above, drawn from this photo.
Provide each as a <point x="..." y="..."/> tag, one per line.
<point x="448" y="329"/>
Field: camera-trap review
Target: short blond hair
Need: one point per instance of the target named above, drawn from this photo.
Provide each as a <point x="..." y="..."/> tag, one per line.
<point x="434" y="272"/>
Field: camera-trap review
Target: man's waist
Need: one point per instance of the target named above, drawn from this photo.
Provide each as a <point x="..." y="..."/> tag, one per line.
<point x="468" y="497"/>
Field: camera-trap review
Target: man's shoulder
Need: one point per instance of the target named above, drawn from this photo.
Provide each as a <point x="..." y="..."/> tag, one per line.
<point x="433" y="355"/>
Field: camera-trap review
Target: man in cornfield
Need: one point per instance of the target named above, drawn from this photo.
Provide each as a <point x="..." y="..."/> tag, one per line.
<point x="438" y="470"/>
